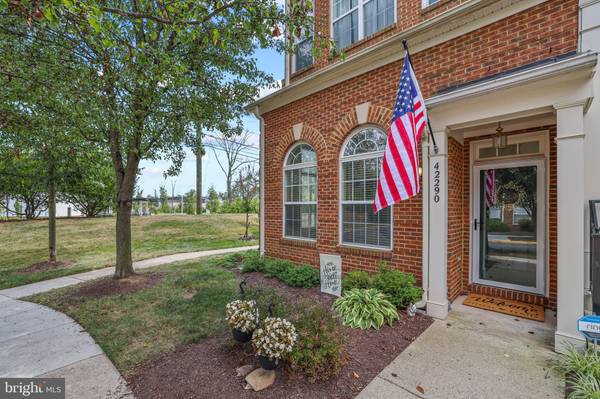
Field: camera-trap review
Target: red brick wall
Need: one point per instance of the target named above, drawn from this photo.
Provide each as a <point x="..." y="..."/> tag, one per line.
<point x="546" y="29"/>
<point x="455" y="215"/>
<point x="328" y="117"/>
<point x="551" y="240"/>
<point x="409" y="14"/>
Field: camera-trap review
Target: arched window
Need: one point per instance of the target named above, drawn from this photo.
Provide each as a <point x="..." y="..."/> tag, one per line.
<point x="360" y="164"/>
<point x="300" y="193"/>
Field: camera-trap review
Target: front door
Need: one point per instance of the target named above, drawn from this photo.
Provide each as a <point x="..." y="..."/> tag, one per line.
<point x="508" y="226"/>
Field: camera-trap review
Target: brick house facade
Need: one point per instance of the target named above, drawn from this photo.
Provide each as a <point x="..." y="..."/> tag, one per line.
<point x="465" y="53"/>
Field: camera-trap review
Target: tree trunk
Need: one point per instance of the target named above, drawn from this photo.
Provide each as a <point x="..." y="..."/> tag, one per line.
<point x="229" y="193"/>
<point x="198" y="180"/>
<point x="247" y="223"/>
<point x="124" y="265"/>
<point x="51" y="221"/>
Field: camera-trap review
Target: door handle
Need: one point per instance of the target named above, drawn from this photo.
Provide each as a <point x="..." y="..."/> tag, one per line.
<point x="475" y="223"/>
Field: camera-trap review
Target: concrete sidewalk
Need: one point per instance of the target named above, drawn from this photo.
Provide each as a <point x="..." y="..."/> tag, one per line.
<point x="474" y="354"/>
<point x="47" y="285"/>
<point x="36" y="341"/>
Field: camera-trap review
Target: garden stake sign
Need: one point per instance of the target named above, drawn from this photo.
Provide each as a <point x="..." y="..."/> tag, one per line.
<point x="331" y="274"/>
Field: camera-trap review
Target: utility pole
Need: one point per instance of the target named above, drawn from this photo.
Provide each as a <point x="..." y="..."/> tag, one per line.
<point x="173" y="181"/>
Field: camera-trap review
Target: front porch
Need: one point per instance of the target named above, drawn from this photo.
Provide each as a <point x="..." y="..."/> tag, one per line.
<point x="526" y="243"/>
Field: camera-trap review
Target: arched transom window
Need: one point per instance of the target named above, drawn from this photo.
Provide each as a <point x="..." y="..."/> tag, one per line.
<point x="360" y="164"/>
<point x="300" y="193"/>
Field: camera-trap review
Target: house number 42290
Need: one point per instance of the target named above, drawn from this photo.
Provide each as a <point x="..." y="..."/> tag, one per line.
<point x="436" y="182"/>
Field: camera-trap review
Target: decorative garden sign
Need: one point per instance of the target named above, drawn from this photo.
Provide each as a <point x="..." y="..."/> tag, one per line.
<point x="331" y="274"/>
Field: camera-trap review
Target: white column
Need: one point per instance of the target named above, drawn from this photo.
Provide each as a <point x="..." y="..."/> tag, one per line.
<point x="571" y="205"/>
<point x="437" y="299"/>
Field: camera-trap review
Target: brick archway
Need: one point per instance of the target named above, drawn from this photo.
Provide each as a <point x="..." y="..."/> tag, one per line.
<point x="360" y="115"/>
<point x="306" y="133"/>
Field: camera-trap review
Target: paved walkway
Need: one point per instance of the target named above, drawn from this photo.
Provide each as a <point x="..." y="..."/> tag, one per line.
<point x="474" y="354"/>
<point x="36" y="341"/>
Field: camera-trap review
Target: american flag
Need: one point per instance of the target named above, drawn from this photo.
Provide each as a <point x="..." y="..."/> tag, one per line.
<point x="399" y="175"/>
<point x="490" y="187"/>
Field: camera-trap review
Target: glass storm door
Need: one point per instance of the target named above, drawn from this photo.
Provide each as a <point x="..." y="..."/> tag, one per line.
<point x="508" y="225"/>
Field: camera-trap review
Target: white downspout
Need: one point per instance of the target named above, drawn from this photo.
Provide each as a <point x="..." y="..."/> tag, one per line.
<point x="261" y="209"/>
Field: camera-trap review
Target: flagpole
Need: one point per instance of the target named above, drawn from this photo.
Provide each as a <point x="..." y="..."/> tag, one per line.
<point x="435" y="147"/>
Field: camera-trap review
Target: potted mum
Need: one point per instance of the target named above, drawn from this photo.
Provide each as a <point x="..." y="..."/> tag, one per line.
<point x="273" y="340"/>
<point x="242" y="316"/>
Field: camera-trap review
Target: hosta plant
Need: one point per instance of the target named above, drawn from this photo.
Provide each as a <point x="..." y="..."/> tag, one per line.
<point x="275" y="338"/>
<point x="242" y="315"/>
<point x="365" y="308"/>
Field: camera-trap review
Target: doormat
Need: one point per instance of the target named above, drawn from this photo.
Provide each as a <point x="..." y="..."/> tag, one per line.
<point x="506" y="306"/>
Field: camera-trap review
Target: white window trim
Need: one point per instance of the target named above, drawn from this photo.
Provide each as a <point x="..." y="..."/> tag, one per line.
<point x="541" y="137"/>
<point x="361" y="28"/>
<point x="357" y="157"/>
<point x="427" y="3"/>
<point x="287" y="167"/>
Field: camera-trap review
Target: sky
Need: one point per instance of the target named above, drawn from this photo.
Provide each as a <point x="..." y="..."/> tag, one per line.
<point x="151" y="176"/>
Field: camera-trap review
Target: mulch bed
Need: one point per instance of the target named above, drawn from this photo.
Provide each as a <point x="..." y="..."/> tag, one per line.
<point x="207" y="369"/>
<point x="108" y="286"/>
<point x="43" y="266"/>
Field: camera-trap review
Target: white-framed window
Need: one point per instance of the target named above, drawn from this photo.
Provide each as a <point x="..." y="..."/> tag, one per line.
<point x="427" y="3"/>
<point x="352" y="20"/>
<point x="302" y="56"/>
<point x="360" y="163"/>
<point x="300" y="193"/>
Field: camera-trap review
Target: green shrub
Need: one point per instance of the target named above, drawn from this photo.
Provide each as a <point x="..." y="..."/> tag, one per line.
<point x="304" y="276"/>
<point x="228" y="261"/>
<point x="276" y="267"/>
<point x="399" y="287"/>
<point x="356" y="279"/>
<point x="319" y="351"/>
<point x="365" y="308"/>
<point x="253" y="262"/>
<point x="526" y="225"/>
<point x="497" y="226"/>
<point x="582" y="372"/>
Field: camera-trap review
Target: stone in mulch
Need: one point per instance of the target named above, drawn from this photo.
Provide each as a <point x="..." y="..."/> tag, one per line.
<point x="180" y="374"/>
<point x="260" y="379"/>
<point x="46" y="265"/>
<point x="108" y="286"/>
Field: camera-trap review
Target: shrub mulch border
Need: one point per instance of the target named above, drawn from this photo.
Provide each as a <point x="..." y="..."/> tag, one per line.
<point x="207" y="369"/>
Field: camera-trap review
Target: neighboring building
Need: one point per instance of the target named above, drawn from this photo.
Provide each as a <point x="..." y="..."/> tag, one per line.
<point x="63" y="209"/>
<point x="528" y="65"/>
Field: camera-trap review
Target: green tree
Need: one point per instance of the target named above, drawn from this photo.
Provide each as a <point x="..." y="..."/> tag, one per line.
<point x="214" y="202"/>
<point x="164" y="199"/>
<point x="246" y="188"/>
<point x="20" y="180"/>
<point x="137" y="73"/>
<point x="189" y="202"/>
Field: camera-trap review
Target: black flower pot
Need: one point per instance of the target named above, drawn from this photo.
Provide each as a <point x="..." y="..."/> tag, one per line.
<point x="267" y="363"/>
<point x="241" y="336"/>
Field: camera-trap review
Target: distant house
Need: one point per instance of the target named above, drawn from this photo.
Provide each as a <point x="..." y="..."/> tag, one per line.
<point x="510" y="86"/>
<point x="63" y="209"/>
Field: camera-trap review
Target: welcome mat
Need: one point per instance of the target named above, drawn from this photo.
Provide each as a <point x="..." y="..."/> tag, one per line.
<point x="506" y="306"/>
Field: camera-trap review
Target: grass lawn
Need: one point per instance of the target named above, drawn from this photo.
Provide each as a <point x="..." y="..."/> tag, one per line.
<point x="88" y="244"/>
<point x="165" y="330"/>
<point x="187" y="305"/>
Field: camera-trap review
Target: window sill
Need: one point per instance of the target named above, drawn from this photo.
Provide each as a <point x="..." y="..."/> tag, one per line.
<point x="298" y="242"/>
<point x="365" y="251"/>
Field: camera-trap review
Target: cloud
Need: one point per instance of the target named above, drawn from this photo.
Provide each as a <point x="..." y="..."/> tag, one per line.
<point x="153" y="170"/>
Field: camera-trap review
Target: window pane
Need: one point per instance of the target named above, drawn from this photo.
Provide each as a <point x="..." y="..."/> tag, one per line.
<point x="529" y="148"/>
<point x="508" y="150"/>
<point x="370" y="189"/>
<point x="366" y="140"/>
<point x="487" y="152"/>
<point x="361" y="226"/>
<point x="303" y="55"/>
<point x="340" y="7"/>
<point x="378" y="15"/>
<point x="359" y="190"/>
<point x="302" y="153"/>
<point x="371" y="169"/>
<point x="346" y="171"/>
<point x="358" y="168"/>
<point x="347" y="194"/>
<point x="345" y="30"/>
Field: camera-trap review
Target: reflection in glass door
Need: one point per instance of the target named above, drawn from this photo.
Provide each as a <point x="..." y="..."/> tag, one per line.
<point x="508" y="225"/>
